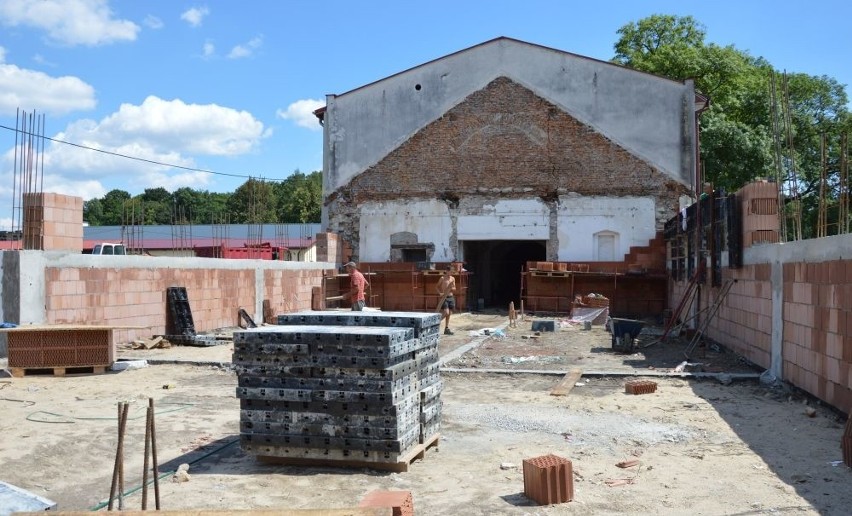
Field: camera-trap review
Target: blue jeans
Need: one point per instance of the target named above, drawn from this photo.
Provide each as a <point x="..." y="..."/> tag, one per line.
<point x="357" y="306"/>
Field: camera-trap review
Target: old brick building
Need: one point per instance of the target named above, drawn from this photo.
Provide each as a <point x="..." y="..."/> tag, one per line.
<point x="507" y="152"/>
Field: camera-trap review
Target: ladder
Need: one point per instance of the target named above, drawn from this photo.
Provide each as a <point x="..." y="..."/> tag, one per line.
<point x="685" y="301"/>
<point x="712" y="309"/>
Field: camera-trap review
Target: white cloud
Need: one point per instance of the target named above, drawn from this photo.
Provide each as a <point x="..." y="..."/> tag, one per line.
<point x="208" y="51"/>
<point x="2" y="55"/>
<point x="69" y="22"/>
<point x="302" y="113"/>
<point x="168" y="132"/>
<point x="195" y="15"/>
<point x="40" y="59"/>
<point x="32" y="90"/>
<point x="152" y="22"/>
<point x="246" y="49"/>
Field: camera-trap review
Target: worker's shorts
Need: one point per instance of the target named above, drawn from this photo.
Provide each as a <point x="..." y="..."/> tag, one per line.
<point x="449" y="303"/>
<point x="357" y="306"/>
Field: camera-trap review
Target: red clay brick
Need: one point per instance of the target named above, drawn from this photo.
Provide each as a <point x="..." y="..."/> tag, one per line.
<point x="548" y="479"/>
<point x="640" y="387"/>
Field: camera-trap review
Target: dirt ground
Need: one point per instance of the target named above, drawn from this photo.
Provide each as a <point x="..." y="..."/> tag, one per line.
<point x="703" y="447"/>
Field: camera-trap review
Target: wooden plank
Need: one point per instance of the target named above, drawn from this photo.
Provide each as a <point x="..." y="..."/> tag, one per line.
<point x="354" y="511"/>
<point x="563" y="388"/>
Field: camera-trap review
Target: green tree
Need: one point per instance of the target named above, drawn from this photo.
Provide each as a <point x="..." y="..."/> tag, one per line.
<point x="113" y="207"/>
<point x="300" y="198"/>
<point x="736" y="132"/>
<point x="253" y="202"/>
<point x="93" y="212"/>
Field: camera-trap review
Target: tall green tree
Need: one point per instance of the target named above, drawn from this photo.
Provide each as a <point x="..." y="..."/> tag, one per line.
<point x="300" y="198"/>
<point x="737" y="137"/>
<point x="109" y="210"/>
<point x="253" y="202"/>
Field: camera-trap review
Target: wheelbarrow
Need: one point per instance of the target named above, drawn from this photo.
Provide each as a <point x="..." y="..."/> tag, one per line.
<point x="624" y="331"/>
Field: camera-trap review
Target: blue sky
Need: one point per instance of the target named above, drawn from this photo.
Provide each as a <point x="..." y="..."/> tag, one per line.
<point x="229" y="86"/>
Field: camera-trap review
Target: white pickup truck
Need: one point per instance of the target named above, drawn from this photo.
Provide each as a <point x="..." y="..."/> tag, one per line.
<point x="107" y="248"/>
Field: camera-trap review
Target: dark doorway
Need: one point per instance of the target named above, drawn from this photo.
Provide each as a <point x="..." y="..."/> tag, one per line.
<point x="496" y="266"/>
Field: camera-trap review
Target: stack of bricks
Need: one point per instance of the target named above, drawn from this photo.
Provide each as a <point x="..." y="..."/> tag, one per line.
<point x="548" y="479"/>
<point x="52" y="222"/>
<point x="339" y="386"/>
<point x="640" y="387"/>
<point x="846" y="443"/>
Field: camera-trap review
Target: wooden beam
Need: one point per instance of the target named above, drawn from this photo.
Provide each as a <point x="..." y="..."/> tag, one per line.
<point x="563" y="388"/>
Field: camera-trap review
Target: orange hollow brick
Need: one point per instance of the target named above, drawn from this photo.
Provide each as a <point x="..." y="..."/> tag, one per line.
<point x="640" y="387"/>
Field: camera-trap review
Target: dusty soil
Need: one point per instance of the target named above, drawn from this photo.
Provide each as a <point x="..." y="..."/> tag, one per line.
<point x="702" y="447"/>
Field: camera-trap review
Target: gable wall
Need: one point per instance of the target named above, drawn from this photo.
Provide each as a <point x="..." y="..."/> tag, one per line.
<point x="651" y="117"/>
<point x="504" y="145"/>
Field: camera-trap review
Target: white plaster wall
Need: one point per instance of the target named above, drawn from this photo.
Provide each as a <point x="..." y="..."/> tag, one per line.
<point x="651" y="116"/>
<point x="428" y="219"/>
<point x="519" y="219"/>
<point x="580" y="217"/>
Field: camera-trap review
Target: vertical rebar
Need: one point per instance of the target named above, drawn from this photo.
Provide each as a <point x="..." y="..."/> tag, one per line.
<point x="148" y="416"/>
<point x="154" y="455"/>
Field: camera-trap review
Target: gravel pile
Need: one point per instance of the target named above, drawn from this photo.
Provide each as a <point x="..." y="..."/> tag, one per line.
<point x="586" y="428"/>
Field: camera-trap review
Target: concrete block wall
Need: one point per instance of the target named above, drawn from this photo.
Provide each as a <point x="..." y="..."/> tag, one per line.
<point x="52" y="222"/>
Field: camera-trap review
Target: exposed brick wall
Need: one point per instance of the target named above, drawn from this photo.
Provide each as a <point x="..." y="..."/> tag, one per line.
<point x="503" y="140"/>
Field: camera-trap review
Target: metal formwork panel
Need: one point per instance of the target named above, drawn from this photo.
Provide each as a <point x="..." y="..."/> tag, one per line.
<point x="326" y="360"/>
<point x="270" y="348"/>
<point x="352" y="431"/>
<point x="331" y="407"/>
<point x="324" y="334"/>
<point x="430" y="410"/>
<point x="402" y="419"/>
<point x="340" y="384"/>
<point x="265" y="393"/>
<point x="431" y="392"/>
<point x="338" y="443"/>
<point x="417" y="320"/>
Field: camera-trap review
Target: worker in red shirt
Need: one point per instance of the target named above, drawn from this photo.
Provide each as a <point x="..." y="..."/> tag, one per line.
<point x="357" y="285"/>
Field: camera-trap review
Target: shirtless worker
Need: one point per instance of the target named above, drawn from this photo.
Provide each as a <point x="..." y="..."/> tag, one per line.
<point x="357" y="285"/>
<point x="447" y="285"/>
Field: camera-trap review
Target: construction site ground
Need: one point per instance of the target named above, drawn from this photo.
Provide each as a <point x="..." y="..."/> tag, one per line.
<point x="709" y="445"/>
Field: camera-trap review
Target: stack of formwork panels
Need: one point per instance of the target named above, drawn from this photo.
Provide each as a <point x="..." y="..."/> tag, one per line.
<point x="334" y="386"/>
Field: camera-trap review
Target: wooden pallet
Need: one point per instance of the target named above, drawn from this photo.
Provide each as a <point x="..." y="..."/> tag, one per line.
<point x="20" y="372"/>
<point x="551" y="274"/>
<point x="401" y="466"/>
